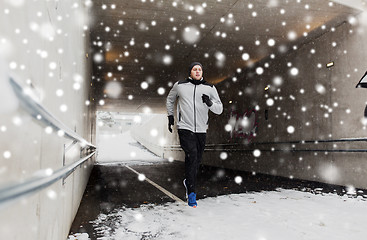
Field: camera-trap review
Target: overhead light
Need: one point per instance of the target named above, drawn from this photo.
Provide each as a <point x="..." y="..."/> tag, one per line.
<point x="267" y="88"/>
<point x="230" y="101"/>
<point x="363" y="82"/>
<point x="330" y="64"/>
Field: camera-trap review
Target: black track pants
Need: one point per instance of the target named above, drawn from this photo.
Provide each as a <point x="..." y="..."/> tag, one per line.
<point x="193" y="145"/>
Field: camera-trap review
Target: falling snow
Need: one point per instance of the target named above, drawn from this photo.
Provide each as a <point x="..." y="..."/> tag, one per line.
<point x="189" y="36"/>
<point x="223" y="155"/>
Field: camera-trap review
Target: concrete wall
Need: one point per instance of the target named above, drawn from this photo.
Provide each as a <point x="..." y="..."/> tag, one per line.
<point x="44" y="45"/>
<point x="320" y="103"/>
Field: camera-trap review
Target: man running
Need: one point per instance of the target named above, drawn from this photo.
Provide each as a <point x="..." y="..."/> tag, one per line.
<point x="195" y="98"/>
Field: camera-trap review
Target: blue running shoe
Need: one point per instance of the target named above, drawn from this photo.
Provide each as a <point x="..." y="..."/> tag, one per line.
<point x="192" y="200"/>
<point x="184" y="183"/>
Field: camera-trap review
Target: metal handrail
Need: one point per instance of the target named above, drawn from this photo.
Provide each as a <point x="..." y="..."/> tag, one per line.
<point x="289" y="150"/>
<point x="229" y="147"/>
<point x="31" y="104"/>
<point x="15" y="191"/>
<point x="39" y="112"/>
<point x="361" y="139"/>
<point x="270" y="150"/>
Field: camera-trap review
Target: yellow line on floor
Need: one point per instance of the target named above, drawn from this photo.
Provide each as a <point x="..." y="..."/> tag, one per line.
<point x="169" y="194"/>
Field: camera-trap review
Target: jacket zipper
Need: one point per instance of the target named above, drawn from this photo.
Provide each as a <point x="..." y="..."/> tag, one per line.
<point x="194" y="109"/>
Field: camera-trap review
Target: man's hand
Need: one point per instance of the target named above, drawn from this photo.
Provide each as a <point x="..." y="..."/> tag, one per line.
<point x="207" y="100"/>
<point x="171" y="122"/>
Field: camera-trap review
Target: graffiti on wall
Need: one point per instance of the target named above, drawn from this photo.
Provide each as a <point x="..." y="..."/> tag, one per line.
<point x="244" y="125"/>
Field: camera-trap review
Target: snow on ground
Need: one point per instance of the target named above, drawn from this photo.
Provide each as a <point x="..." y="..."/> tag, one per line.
<point x="275" y="215"/>
<point x="123" y="148"/>
<point x="282" y="214"/>
<point x="79" y="236"/>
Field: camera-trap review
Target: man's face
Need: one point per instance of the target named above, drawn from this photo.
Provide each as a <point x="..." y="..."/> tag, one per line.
<point x="196" y="72"/>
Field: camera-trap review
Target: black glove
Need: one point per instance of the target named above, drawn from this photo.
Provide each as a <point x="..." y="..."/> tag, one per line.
<point x="171" y="121"/>
<point x="207" y="100"/>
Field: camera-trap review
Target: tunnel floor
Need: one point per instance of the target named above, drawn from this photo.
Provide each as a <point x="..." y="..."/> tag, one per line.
<point x="114" y="186"/>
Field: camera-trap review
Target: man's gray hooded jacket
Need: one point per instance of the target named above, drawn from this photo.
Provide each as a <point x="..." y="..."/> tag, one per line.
<point x="191" y="110"/>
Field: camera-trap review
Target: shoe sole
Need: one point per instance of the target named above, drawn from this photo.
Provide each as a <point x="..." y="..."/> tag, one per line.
<point x="184" y="183"/>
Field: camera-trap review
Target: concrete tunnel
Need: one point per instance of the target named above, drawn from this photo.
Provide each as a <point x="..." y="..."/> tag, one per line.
<point x="286" y="72"/>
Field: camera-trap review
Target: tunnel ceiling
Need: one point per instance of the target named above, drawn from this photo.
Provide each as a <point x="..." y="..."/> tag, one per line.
<point x="142" y="46"/>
